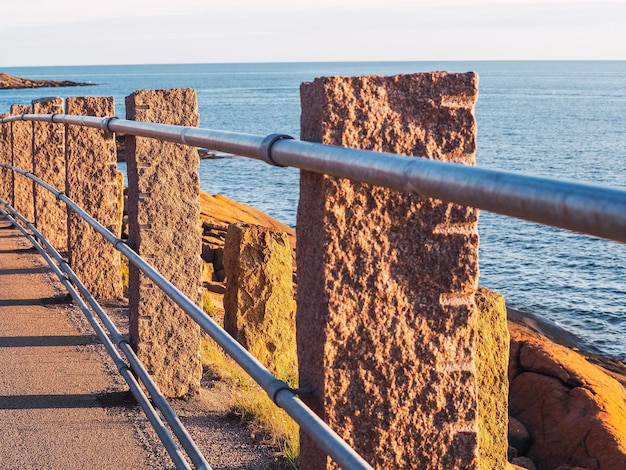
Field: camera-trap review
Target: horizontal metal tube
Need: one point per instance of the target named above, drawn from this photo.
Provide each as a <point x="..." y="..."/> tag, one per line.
<point x="584" y="208"/>
<point x="222" y="141"/>
<point x="593" y="210"/>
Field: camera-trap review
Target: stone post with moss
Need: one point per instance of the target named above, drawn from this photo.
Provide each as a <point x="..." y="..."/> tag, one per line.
<point x="91" y="182"/>
<point x="49" y="165"/>
<point x="259" y="306"/>
<point x="386" y="320"/>
<point x="163" y="225"/>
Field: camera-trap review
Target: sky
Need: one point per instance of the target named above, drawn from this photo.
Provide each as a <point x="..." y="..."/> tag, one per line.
<point x="82" y="32"/>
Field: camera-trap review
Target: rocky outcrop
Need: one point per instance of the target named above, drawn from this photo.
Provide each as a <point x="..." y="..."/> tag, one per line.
<point x="567" y="412"/>
<point x="11" y="82"/>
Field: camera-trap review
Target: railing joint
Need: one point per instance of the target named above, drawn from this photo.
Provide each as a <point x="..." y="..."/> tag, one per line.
<point x="107" y="123"/>
<point x="265" y="150"/>
<point x="182" y="134"/>
<point x="277" y="386"/>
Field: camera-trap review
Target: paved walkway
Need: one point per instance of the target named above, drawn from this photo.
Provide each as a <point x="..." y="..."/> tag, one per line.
<point x="59" y="408"/>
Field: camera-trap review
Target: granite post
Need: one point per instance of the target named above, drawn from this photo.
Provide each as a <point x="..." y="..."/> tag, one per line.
<point x="259" y="306"/>
<point x="49" y="165"/>
<point x="22" y="144"/>
<point x="91" y="182"/>
<point x="163" y="227"/>
<point x="386" y="315"/>
<point x="6" y="156"/>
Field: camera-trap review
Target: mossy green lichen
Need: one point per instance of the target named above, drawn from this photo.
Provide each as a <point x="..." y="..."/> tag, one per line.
<point x="492" y="361"/>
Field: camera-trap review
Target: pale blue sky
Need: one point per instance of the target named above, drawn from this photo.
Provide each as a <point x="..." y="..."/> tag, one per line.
<point x="79" y="32"/>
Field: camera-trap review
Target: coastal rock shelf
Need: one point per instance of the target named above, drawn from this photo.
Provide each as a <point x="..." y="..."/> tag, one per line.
<point x="10" y="82"/>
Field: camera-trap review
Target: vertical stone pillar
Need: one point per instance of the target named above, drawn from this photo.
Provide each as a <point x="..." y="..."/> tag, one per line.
<point x="91" y="182"/>
<point x="49" y="165"/>
<point x="22" y="143"/>
<point x="386" y="280"/>
<point x="6" y="156"/>
<point x="163" y="226"/>
<point x="259" y="308"/>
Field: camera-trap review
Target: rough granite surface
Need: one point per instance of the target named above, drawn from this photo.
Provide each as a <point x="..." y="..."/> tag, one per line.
<point x="91" y="182"/>
<point x="49" y="165"/>
<point x="22" y="142"/>
<point x="386" y="315"/>
<point x="6" y="156"/>
<point x="259" y="306"/>
<point x="163" y="215"/>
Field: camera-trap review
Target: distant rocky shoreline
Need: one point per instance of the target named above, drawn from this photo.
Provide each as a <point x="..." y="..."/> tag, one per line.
<point x="11" y="82"/>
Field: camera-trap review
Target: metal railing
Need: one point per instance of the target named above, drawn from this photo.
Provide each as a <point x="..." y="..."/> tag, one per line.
<point x="584" y="208"/>
<point x="589" y="209"/>
<point x="279" y="391"/>
<point x="74" y="285"/>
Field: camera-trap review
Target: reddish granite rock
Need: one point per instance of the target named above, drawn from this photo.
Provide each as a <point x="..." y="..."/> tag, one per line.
<point x="22" y="140"/>
<point x="518" y="435"/>
<point x="91" y="182"/>
<point x="574" y="412"/>
<point x="386" y="280"/>
<point x="6" y="156"/>
<point x="259" y="304"/>
<point x="49" y="165"/>
<point x="217" y="212"/>
<point x="492" y="360"/>
<point x="163" y="214"/>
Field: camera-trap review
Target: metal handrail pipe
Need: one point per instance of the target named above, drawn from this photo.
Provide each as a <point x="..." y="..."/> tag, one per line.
<point x="329" y="441"/>
<point x="223" y="141"/>
<point x="584" y="208"/>
<point x="167" y="440"/>
<point x="155" y="393"/>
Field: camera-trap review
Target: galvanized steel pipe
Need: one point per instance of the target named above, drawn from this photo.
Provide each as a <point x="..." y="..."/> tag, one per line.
<point x="593" y="210"/>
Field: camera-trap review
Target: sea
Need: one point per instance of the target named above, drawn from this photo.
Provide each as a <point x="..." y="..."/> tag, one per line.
<point x="564" y="120"/>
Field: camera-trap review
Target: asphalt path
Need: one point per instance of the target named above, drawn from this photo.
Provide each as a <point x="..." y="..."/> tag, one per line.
<point x="63" y="404"/>
<point x="59" y="407"/>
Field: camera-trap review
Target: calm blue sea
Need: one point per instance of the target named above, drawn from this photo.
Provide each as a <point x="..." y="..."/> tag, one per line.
<point x="556" y="119"/>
